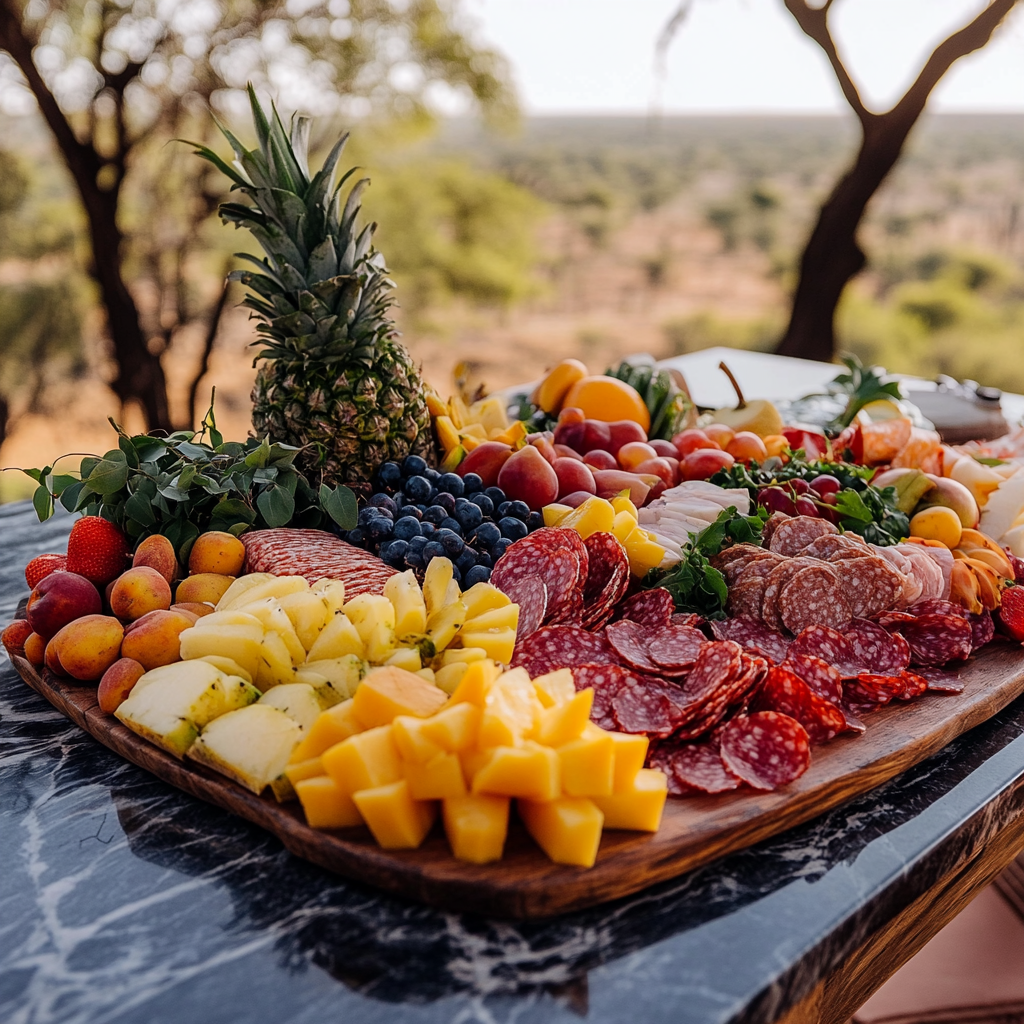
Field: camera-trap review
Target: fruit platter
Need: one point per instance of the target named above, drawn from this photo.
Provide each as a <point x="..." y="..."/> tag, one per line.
<point x="524" y="652"/>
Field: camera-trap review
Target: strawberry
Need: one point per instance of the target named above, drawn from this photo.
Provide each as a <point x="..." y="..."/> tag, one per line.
<point x="97" y="550"/>
<point x="41" y="566"/>
<point x="1011" y="612"/>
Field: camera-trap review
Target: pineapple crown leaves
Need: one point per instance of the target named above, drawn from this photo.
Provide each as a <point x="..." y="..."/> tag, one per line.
<point x="322" y="291"/>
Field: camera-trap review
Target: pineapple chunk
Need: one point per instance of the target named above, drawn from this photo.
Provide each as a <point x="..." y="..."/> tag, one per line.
<point x="227" y="665"/>
<point x="274" y="619"/>
<point x="476" y="827"/>
<point x="331" y="726"/>
<point x="338" y="638"/>
<point x="242" y="584"/>
<point x="275" y="666"/>
<point x="630" y="754"/>
<point x="343" y="674"/>
<point x="499" y="644"/>
<point x="474" y="430"/>
<point x="483" y="597"/>
<point x="242" y="592"/>
<point x="388" y="692"/>
<point x="565" y="722"/>
<point x="638" y="808"/>
<point x="567" y="829"/>
<point x="506" y="617"/>
<point x="250" y="745"/>
<point x="439" y="779"/>
<point x="555" y="513"/>
<point x="297" y="700"/>
<point x="326" y="804"/>
<point x="644" y="553"/>
<point x="595" y="515"/>
<point x="588" y="764"/>
<point x="308" y="613"/>
<point x="365" y="760"/>
<point x="454" y="728"/>
<point x="435" y="583"/>
<point x="448" y="677"/>
<point x="368" y="611"/>
<point x="332" y="591"/>
<point x="397" y="821"/>
<point x="530" y="771"/>
<point x="447" y="434"/>
<point x="624" y="525"/>
<point x="241" y="643"/>
<point x="621" y="503"/>
<point x="445" y="622"/>
<point x="513" y="435"/>
<point x="380" y="644"/>
<point x="490" y="413"/>
<point x="407" y="658"/>
<point x="453" y="459"/>
<point x="555" y="687"/>
<point x="428" y="674"/>
<point x="459" y="411"/>
<point x="436" y="406"/>
<point x="459" y="655"/>
<point x="405" y="595"/>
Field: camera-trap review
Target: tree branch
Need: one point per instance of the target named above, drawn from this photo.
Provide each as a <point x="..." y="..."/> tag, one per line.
<point x="814" y="23"/>
<point x="212" y="328"/>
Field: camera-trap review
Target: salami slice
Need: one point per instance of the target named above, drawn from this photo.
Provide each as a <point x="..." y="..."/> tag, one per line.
<point x="869" y="688"/>
<point x="766" y="749"/>
<point x="731" y="553"/>
<point x="546" y="554"/>
<point x="829" y="544"/>
<point x="813" y="596"/>
<point x="718" y="662"/>
<point x="913" y="685"/>
<point x="639" y="708"/>
<point x="676" y="647"/>
<point x="878" y="650"/>
<point x="774" y="521"/>
<point x="688" y="619"/>
<point x="983" y="629"/>
<point x="936" y="639"/>
<point x="942" y="680"/>
<point x="700" y="766"/>
<point x="554" y="647"/>
<point x="760" y="566"/>
<point x="935" y="606"/>
<point x="605" y="681"/>
<point x="607" y="578"/>
<point x="753" y="636"/>
<point x="831" y="646"/>
<point x="871" y="584"/>
<point x="853" y="723"/>
<point x="652" y="607"/>
<point x="893" y="620"/>
<point x="821" y="677"/>
<point x="531" y="595"/>
<point x="784" y="691"/>
<point x="746" y="596"/>
<point x="791" y="537"/>
<point x="777" y="578"/>
<point x="630" y="641"/>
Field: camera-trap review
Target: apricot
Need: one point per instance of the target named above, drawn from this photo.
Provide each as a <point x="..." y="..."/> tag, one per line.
<point x="138" y="591"/>
<point x="721" y="434"/>
<point x="608" y="399"/>
<point x="50" y="659"/>
<point x="58" y="599"/>
<point x="746" y="445"/>
<point x="196" y="608"/>
<point x="14" y="637"/>
<point x="633" y="453"/>
<point x="87" y="647"/>
<point x="216" y="552"/>
<point x="528" y="476"/>
<point x="35" y="649"/>
<point x="158" y="553"/>
<point x="117" y="683"/>
<point x="937" y="523"/>
<point x="153" y="640"/>
<point x="203" y="588"/>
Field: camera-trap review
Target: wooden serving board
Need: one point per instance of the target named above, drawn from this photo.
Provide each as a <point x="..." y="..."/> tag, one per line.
<point x="525" y="884"/>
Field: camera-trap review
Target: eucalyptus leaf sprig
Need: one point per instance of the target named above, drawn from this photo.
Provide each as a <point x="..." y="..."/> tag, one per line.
<point x="187" y="483"/>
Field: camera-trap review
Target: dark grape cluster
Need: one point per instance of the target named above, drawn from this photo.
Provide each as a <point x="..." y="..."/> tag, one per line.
<point x="418" y="513"/>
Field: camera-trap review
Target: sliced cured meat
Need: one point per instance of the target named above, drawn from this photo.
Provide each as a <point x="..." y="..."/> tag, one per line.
<point x="813" y="596"/>
<point x="937" y="639"/>
<point x="607" y="578"/>
<point x="943" y="558"/>
<point x="652" y="607"/>
<point x="913" y="685"/>
<point x="912" y="586"/>
<point x="766" y="749"/>
<point x="700" y="766"/>
<point x="870" y="688"/>
<point x="893" y="620"/>
<point x="872" y="586"/>
<point x="983" y="629"/>
<point x="731" y="553"/>
<point x="791" y="537"/>
<point x="942" y="680"/>
<point x="773" y="585"/>
<point x="853" y="723"/>
<point x="820" y="676"/>
<point x="605" y="681"/>
<point x="630" y="641"/>
<point x="639" y="708"/>
<point x="784" y="691"/>
<point x="746" y="596"/>
<point x="830" y="645"/>
<point x="829" y="544"/>
<point x="531" y="595"/>
<point x="938" y="607"/>
<point x="760" y="566"/>
<point x="718" y="662"/>
<point x="688" y="619"/>
<point x="554" y="647"/>
<point x="546" y="553"/>
<point x="878" y="650"/>
<point x="753" y="636"/>
<point x="925" y="571"/>
<point x="773" y="522"/>
<point x="676" y="647"/>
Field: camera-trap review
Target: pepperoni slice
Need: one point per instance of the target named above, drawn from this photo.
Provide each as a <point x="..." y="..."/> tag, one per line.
<point x="831" y="646"/>
<point x="639" y="708"/>
<point x="607" y="578"/>
<point x="813" y="596"/>
<point x="531" y="595"/>
<point x="605" y="681"/>
<point x="893" y="620"/>
<point x="775" y="520"/>
<point x="733" y="552"/>
<point x="820" y="676"/>
<point x="766" y="749"/>
<point x="630" y="641"/>
<point x="776" y="579"/>
<point x="700" y="766"/>
<point x="941" y="680"/>
<point x="554" y="647"/>
<point x="652" y="607"/>
<point x="791" y="537"/>
<point x="913" y="685"/>
<point x="786" y="692"/>
<point x="869" y="688"/>
<point x="718" y="662"/>
<point x="676" y="647"/>
<point x="936" y="639"/>
<point x="884" y="653"/>
<point x="754" y="636"/>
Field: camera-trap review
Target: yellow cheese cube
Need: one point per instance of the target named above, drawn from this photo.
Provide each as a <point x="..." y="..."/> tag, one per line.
<point x="621" y="503"/>
<point x="639" y="808"/>
<point x="364" y="761"/>
<point x="476" y="827"/>
<point x="473" y="759"/>
<point x="595" y="515"/>
<point x="554" y="514"/>
<point x="475" y="683"/>
<point x="330" y="727"/>
<point x="482" y="597"/>
<point x="568" y="829"/>
<point x="448" y="677"/>
<point x="529" y="771"/>
<point x="498" y="644"/>
<point x="326" y="804"/>
<point x="438" y="779"/>
<point x="624" y="525"/>
<point x="555" y="687"/>
<point x="506" y="617"/>
<point x="308" y="769"/>
<point x="454" y="729"/>
<point x="565" y="722"/>
<point x="459" y="655"/>
<point x="389" y="691"/>
<point x="397" y="821"/>
<point x="588" y="765"/>
<point x="412" y="744"/>
<point x="630" y="752"/>
<point x="511" y="710"/>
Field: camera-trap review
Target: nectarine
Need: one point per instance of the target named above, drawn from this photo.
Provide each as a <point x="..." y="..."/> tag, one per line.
<point x="58" y="599"/>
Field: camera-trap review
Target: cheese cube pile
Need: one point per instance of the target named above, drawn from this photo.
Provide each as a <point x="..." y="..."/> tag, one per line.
<point x="401" y="749"/>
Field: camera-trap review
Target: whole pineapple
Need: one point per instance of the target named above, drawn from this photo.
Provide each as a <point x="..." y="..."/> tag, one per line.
<point x="333" y="378"/>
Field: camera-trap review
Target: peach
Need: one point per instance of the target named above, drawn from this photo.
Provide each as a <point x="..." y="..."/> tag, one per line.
<point x="542" y="442"/>
<point x="563" y="451"/>
<point x="687" y="441"/>
<point x="58" y="599"/>
<point x="632" y="453"/>
<point x="158" y="553"/>
<point x="622" y="432"/>
<point x="216" y="551"/>
<point x="117" y="683"/>
<point x="51" y="661"/>
<point x="153" y="641"/>
<point x="661" y="468"/>
<point x="611" y="482"/>
<point x="598" y="459"/>
<point x="196" y="608"/>
<point x="14" y="637"/>
<point x="665" y="449"/>
<point x="203" y="588"/>
<point x="528" y="476"/>
<point x="87" y="647"/>
<point x="35" y="649"/>
<point x="486" y="460"/>
<point x="720" y="433"/>
<point x="573" y="475"/>
<point x="705" y="463"/>
<point x="746" y="445"/>
<point x="138" y="591"/>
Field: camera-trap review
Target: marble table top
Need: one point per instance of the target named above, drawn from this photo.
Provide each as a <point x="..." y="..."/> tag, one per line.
<point x="124" y="900"/>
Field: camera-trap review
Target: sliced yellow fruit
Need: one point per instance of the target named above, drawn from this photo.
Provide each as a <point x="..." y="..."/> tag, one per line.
<point x="364" y="761"/>
<point x="326" y="804"/>
<point x="331" y="727"/>
<point x="565" y="722"/>
<point x="588" y="765"/>
<point x="447" y="433"/>
<point x="595" y="515"/>
<point x="439" y="779"/>
<point x="554" y="514"/>
<point x="530" y="771"/>
<point x="499" y="644"/>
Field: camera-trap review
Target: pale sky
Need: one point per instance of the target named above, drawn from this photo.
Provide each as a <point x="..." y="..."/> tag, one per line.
<point x="592" y="56"/>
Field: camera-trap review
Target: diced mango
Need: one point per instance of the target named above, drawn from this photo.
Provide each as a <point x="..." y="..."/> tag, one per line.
<point x="588" y="765"/>
<point x="454" y="729"/>
<point x="555" y="687"/>
<point x="511" y="710"/>
<point x="444" y="624"/>
<point x="595" y="515"/>
<point x="364" y="761"/>
<point x="565" y="722"/>
<point x="475" y="683"/>
<point x="630" y="752"/>
<point x="439" y="779"/>
<point x="499" y="644"/>
<point x="308" y="769"/>
<point x="621" y="503"/>
<point x="448" y="677"/>
<point x="530" y="771"/>
<point x="506" y="617"/>
<point x="623" y="526"/>
<point x="326" y="804"/>
<point x="476" y="827"/>
<point x="568" y="829"/>
<point x="447" y="434"/>
<point x="555" y="513"/>
<point x="397" y="821"/>
<point x="403" y="591"/>
<point x="331" y="726"/>
<point x="467" y="443"/>
<point x="462" y="655"/>
<point x="638" y="808"/>
<point x="643" y="552"/>
<point x="390" y="691"/>
<point x="413" y="745"/>
<point x="473" y="759"/>
<point x="511" y="435"/>
<point x="482" y="597"/>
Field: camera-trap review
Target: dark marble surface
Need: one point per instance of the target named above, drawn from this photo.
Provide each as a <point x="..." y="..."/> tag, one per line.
<point x="123" y="900"/>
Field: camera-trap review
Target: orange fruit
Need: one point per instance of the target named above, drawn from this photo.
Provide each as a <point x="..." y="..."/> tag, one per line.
<point x="608" y="399"/>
